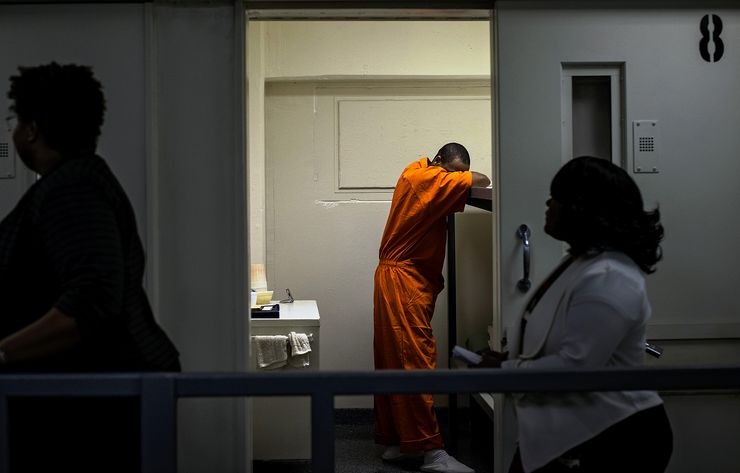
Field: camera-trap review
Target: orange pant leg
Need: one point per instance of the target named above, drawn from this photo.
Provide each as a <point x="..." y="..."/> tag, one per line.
<point x="403" y="339"/>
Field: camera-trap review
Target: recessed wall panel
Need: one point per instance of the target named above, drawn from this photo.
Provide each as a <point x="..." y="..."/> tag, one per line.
<point x="377" y="136"/>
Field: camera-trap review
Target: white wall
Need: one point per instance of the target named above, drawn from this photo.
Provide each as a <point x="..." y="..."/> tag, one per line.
<point x="365" y="48"/>
<point x="286" y="50"/>
<point x="198" y="163"/>
<point x="39" y="34"/>
<point x="173" y="135"/>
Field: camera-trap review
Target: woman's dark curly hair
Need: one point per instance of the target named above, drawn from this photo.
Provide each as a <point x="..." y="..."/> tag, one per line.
<point x="66" y="102"/>
<point x="602" y="209"/>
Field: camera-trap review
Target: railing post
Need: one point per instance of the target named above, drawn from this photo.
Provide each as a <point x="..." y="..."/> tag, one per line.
<point x="4" y="435"/>
<point x="322" y="432"/>
<point x="158" y="424"/>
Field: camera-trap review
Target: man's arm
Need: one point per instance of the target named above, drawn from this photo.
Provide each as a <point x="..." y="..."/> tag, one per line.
<point x="480" y="180"/>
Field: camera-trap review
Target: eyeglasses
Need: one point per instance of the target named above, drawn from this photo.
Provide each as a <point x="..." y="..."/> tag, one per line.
<point x="11" y="122"/>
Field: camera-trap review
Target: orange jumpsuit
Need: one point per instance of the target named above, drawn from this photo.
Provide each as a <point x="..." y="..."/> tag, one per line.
<point x="407" y="282"/>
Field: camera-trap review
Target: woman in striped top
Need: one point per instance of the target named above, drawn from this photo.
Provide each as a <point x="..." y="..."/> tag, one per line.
<point x="71" y="272"/>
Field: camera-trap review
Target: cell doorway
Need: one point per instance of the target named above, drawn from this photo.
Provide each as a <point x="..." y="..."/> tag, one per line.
<point x="336" y="109"/>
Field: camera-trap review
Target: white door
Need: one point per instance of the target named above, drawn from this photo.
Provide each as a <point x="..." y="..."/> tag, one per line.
<point x="686" y="101"/>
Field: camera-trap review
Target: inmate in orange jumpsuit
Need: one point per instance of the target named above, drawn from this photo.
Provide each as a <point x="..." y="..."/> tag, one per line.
<point x="407" y="282"/>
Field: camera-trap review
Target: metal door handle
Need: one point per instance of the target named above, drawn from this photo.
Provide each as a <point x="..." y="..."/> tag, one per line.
<point x="523" y="232"/>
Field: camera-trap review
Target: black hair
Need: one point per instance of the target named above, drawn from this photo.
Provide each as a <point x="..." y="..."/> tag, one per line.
<point x="450" y="151"/>
<point x="66" y="102"/>
<point x="602" y="209"/>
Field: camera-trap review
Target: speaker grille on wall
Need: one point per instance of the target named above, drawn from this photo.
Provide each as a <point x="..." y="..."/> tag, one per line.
<point x="645" y="146"/>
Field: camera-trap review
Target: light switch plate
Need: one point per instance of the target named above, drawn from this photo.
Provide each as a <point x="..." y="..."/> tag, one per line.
<point x="645" y="141"/>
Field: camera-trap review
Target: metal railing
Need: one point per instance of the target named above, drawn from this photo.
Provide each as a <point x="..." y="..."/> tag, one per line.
<point x="159" y="393"/>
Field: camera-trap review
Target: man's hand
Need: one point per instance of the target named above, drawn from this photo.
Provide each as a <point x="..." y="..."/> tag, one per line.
<point x="491" y="359"/>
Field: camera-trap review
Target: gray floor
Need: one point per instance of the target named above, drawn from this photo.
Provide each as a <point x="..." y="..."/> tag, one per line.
<point x="355" y="451"/>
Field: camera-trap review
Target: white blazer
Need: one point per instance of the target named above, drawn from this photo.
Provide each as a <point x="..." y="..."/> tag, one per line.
<point x="593" y="316"/>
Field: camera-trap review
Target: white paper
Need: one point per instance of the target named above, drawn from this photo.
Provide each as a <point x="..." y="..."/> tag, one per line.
<point x="467" y="355"/>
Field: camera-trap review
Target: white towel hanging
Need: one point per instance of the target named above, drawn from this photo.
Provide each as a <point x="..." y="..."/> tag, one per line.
<point x="300" y="347"/>
<point x="309" y="335"/>
<point x="299" y="343"/>
<point x="271" y="350"/>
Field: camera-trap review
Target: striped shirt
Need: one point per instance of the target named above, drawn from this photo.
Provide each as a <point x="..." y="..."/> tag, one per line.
<point x="72" y="243"/>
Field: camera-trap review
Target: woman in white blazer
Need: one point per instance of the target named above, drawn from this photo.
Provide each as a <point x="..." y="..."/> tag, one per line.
<point x="591" y="313"/>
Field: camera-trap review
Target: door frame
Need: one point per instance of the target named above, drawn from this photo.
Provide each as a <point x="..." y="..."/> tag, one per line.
<point x="366" y="10"/>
